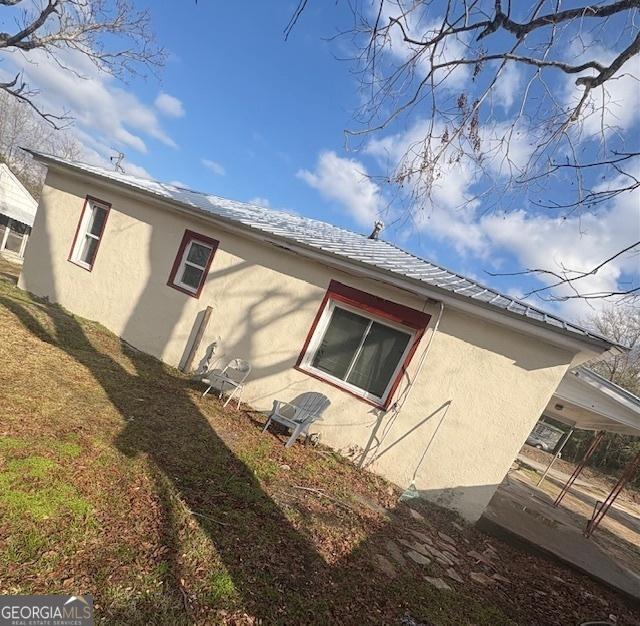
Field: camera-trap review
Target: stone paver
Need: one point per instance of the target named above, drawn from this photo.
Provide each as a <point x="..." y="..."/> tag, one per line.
<point x="480" y="557"/>
<point x="418" y="558"/>
<point x="451" y="557"/>
<point x="500" y="578"/>
<point x="372" y="505"/>
<point x="421" y="537"/>
<point x="416" y="516"/>
<point x="422" y="548"/>
<point x="406" y="543"/>
<point x="451" y="573"/>
<point x="446" y="538"/>
<point x="448" y="547"/>
<point x="439" y="556"/>
<point x="385" y="565"/>
<point x="481" y="578"/>
<point x="395" y="553"/>
<point x="438" y="583"/>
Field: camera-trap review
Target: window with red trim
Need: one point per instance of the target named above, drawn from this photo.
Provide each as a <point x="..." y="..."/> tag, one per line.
<point x="362" y="343"/>
<point x="89" y="232"/>
<point x="192" y="263"/>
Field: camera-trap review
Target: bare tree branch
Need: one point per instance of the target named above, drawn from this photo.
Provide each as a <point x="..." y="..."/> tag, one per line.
<point x="111" y="34"/>
<point x="562" y="133"/>
<point x="569" y="277"/>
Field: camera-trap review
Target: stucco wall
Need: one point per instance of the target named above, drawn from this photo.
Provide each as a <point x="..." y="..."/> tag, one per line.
<point x="479" y="394"/>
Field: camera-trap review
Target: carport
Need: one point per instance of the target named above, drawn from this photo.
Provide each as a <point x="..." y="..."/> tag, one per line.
<point x="585" y="400"/>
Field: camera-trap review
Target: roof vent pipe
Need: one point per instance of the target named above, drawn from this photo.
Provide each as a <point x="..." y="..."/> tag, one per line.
<point x="377" y="227"/>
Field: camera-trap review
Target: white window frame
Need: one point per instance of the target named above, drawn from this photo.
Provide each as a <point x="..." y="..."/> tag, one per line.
<point x="306" y="362"/>
<point x="177" y="280"/>
<point x="83" y="232"/>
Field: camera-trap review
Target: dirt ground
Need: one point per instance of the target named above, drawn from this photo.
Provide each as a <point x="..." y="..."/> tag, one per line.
<point x="619" y="531"/>
<point x="599" y="483"/>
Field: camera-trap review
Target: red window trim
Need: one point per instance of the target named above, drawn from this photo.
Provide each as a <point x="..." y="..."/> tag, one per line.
<point x="378" y="307"/>
<point x="189" y="236"/>
<point x="107" y="206"/>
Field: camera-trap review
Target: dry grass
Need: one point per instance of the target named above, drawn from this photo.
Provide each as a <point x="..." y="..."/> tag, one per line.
<point x="117" y="479"/>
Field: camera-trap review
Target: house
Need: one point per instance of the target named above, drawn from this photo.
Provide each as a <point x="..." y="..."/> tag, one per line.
<point x="17" y="212"/>
<point x="434" y="380"/>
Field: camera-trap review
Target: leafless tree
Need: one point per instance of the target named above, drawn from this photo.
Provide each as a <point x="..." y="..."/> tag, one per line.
<point x="450" y="65"/>
<point x="21" y="126"/>
<point x="110" y="34"/>
<point x="622" y="324"/>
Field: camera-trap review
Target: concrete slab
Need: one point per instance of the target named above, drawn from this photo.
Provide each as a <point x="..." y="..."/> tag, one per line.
<point x="541" y="467"/>
<point x="522" y="513"/>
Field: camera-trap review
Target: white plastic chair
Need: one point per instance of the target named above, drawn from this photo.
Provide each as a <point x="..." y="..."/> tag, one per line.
<point x="299" y="414"/>
<point x="234" y="374"/>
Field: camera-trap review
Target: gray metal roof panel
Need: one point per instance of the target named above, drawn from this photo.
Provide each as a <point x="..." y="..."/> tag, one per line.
<point x="338" y="241"/>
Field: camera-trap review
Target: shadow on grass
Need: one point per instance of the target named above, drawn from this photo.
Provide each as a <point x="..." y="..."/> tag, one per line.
<point x="273" y="569"/>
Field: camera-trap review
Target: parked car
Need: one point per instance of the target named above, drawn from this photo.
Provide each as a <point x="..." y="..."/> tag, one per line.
<point x="535" y="441"/>
<point x="544" y="436"/>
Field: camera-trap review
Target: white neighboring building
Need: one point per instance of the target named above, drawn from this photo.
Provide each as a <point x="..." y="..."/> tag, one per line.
<point x="17" y="212"/>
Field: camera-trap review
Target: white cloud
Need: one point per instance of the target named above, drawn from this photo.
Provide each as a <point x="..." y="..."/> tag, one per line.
<point x="448" y="210"/>
<point x="90" y="97"/>
<point x="576" y="243"/>
<point x="169" y="105"/>
<point x="264" y="202"/>
<point x="345" y="181"/>
<point x="507" y="87"/>
<point x="214" y="167"/>
<point x="418" y="25"/>
<point x="453" y="214"/>
<point x="95" y="152"/>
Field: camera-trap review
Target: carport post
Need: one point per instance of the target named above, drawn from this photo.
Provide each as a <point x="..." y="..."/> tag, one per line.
<point x="600" y="512"/>
<point x="556" y="456"/>
<point x="597" y="438"/>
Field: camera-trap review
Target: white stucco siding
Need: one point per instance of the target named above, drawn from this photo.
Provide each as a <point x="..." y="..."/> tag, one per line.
<point x="479" y="394"/>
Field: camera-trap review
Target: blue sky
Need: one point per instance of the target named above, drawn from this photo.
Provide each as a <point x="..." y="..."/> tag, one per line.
<point x="242" y="113"/>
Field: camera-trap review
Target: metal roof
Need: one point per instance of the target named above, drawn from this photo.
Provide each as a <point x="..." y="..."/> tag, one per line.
<point x="587" y="401"/>
<point x="341" y="243"/>
<point x="595" y="379"/>
<point x="15" y="201"/>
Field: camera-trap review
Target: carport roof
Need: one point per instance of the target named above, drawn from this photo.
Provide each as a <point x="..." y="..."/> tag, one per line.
<point x="587" y="401"/>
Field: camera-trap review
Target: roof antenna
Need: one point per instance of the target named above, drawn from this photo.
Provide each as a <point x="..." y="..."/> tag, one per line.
<point x="377" y="227"/>
<point x="117" y="161"/>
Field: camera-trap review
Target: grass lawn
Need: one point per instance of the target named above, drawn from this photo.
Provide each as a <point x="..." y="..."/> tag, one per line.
<point x="117" y="479"/>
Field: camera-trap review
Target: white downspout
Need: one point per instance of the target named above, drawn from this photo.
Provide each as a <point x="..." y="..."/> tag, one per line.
<point x="411" y="491"/>
<point x="422" y="358"/>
